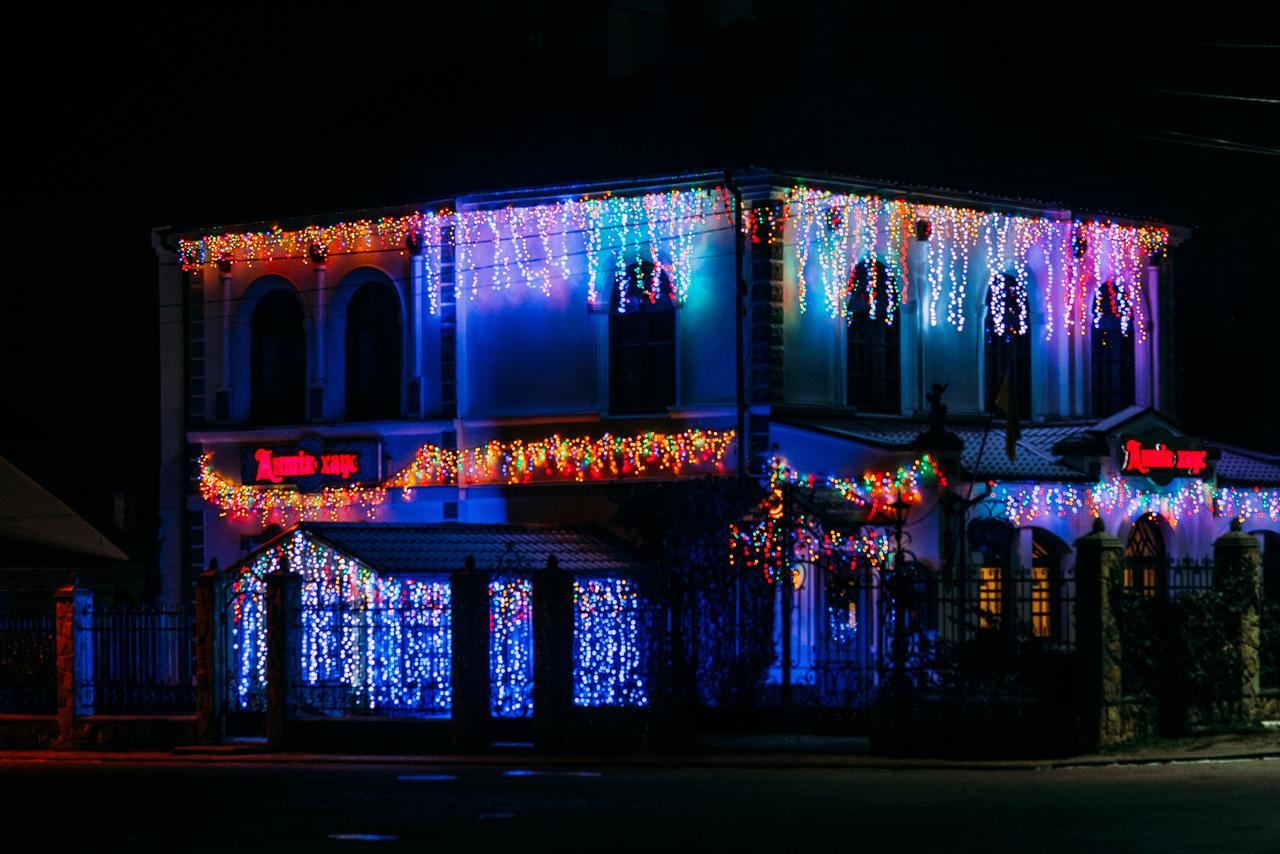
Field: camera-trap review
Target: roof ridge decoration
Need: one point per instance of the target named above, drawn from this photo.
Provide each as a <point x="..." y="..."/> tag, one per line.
<point x="497" y="462"/>
<point x="1091" y="266"/>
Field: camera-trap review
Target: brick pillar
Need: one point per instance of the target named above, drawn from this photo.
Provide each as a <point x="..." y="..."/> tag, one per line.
<point x="1237" y="574"/>
<point x="210" y="678"/>
<point x="1099" y="688"/>
<point x="765" y="354"/>
<point x="470" y="651"/>
<point x="552" y="655"/>
<point x="73" y="647"/>
<point x="284" y="596"/>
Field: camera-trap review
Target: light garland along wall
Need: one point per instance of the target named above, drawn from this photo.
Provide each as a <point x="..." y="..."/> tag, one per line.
<point x="377" y="642"/>
<point x="609" y="661"/>
<point x="762" y="546"/>
<point x="511" y="647"/>
<point x="1024" y="503"/>
<point x="606" y="457"/>
<point x="1091" y="266"/>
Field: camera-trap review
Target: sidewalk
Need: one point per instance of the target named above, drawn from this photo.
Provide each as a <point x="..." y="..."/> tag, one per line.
<point x="718" y="752"/>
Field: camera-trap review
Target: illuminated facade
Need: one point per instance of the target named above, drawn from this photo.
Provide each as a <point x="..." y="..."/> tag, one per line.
<point x="504" y="358"/>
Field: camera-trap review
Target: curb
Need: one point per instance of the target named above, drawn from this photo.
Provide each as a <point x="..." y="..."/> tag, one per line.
<point x="745" y="762"/>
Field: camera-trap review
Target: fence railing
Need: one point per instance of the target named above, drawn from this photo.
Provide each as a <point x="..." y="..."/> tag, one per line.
<point x="28" y="663"/>
<point x="143" y="660"/>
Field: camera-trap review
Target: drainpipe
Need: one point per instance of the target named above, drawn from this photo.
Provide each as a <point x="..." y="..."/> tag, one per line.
<point x="739" y="314"/>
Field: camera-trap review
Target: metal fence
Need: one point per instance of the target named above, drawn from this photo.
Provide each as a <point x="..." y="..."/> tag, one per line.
<point x="28" y="669"/>
<point x="143" y="660"/>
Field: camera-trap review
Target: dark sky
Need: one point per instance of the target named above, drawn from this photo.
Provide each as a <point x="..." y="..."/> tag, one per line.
<point x="206" y="116"/>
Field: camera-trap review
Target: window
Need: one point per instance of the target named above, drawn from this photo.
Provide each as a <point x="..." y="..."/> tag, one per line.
<point x="373" y="353"/>
<point x="1007" y="354"/>
<point x="278" y="360"/>
<point x="991" y="542"/>
<point x="1045" y="578"/>
<point x="1144" y="556"/>
<point x="1111" y="365"/>
<point x="872" y="345"/>
<point x="642" y="341"/>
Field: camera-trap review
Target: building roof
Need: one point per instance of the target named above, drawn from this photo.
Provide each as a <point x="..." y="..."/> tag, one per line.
<point x="1243" y="467"/>
<point x="441" y="548"/>
<point x="1036" y="460"/>
<point x="31" y="515"/>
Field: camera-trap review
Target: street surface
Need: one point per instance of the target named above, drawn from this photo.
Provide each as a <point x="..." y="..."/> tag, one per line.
<point x="235" y="806"/>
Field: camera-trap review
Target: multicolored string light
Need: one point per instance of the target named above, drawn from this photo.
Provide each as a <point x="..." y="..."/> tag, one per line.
<point x="1024" y="503"/>
<point x="511" y="647"/>
<point x="606" y="457"/>
<point x="1089" y="265"/>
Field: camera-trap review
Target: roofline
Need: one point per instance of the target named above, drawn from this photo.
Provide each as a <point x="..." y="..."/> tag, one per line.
<point x="539" y="193"/>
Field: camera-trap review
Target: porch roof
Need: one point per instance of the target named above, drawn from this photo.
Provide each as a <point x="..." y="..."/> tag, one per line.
<point x="444" y="547"/>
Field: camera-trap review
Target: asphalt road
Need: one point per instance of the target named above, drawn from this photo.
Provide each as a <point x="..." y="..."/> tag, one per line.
<point x="176" y="806"/>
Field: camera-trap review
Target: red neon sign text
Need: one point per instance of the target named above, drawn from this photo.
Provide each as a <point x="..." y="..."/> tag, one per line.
<point x="276" y="469"/>
<point x="1161" y="457"/>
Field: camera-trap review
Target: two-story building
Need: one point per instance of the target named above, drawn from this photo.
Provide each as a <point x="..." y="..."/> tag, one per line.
<point x="472" y="375"/>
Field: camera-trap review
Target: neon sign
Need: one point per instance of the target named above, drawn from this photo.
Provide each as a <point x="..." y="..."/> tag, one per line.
<point x="310" y="464"/>
<point x="1161" y="460"/>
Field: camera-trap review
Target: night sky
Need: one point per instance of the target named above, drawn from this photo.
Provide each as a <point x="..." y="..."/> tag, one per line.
<point x="193" y="119"/>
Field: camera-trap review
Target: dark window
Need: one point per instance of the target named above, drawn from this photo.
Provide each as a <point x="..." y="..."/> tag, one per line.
<point x="1144" y="557"/>
<point x="642" y="342"/>
<point x="1007" y="354"/>
<point x="373" y="353"/>
<point x="872" y="349"/>
<point x="1111" y="359"/>
<point x="991" y="543"/>
<point x="278" y="360"/>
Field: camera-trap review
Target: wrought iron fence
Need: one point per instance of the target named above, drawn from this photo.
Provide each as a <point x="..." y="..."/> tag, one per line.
<point x="28" y="668"/>
<point x="143" y="660"/>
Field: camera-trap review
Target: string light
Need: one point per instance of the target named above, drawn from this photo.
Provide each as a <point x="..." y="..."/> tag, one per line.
<point x="608" y="662"/>
<point x="606" y="457"/>
<point x="381" y="641"/>
<point x="511" y="647"/>
<point x="1022" y="504"/>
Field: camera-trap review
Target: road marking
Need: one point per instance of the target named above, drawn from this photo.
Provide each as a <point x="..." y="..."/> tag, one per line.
<point x="426" y="778"/>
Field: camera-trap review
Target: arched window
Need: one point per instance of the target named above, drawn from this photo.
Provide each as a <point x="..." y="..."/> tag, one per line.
<point x="1144" y="556"/>
<point x="872" y="345"/>
<point x="373" y="353"/>
<point x="991" y="542"/>
<point x="1111" y="361"/>
<point x="642" y="341"/>
<point x="278" y="360"/>
<point x="1007" y="352"/>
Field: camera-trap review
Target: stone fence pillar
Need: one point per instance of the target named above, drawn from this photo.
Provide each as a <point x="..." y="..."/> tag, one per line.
<point x="210" y="660"/>
<point x="1237" y="575"/>
<point x="470" y="653"/>
<point x="552" y="655"/>
<point x="73" y="654"/>
<point x="1099" y="655"/>
<point x="284" y="676"/>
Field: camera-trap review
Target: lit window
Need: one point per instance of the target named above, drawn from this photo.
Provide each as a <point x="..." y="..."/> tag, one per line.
<point x="1040" y="607"/>
<point x="989" y="597"/>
